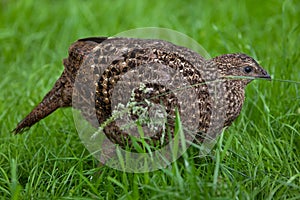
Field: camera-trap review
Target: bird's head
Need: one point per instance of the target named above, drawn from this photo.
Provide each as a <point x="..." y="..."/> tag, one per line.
<point x="239" y="66"/>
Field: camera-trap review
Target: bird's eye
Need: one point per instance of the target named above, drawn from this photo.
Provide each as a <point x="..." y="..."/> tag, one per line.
<point x="248" y="69"/>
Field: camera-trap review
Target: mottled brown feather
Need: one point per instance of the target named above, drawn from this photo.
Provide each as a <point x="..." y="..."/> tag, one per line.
<point x="99" y="74"/>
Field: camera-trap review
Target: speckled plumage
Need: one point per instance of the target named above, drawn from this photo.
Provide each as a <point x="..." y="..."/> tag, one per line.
<point x="103" y="61"/>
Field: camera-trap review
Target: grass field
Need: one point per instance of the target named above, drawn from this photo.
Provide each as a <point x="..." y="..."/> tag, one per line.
<point x="256" y="158"/>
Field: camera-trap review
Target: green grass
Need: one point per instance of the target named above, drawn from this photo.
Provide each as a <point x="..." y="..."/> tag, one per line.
<point x="256" y="158"/>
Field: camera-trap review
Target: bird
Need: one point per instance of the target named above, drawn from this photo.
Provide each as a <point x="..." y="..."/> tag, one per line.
<point x="96" y="65"/>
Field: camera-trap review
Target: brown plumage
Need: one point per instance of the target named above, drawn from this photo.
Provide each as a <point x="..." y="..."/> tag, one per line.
<point x="218" y="83"/>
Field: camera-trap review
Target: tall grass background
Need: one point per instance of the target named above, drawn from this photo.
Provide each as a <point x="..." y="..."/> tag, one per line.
<point x="256" y="158"/>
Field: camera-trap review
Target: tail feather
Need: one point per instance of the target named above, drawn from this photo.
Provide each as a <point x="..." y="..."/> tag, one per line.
<point x="52" y="101"/>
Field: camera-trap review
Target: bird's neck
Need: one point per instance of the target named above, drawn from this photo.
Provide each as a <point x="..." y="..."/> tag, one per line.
<point x="234" y="97"/>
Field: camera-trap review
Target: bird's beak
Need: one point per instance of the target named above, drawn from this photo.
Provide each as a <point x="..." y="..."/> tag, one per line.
<point x="264" y="75"/>
<point x="268" y="77"/>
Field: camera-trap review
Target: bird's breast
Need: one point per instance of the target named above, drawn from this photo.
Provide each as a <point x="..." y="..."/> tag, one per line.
<point x="234" y="97"/>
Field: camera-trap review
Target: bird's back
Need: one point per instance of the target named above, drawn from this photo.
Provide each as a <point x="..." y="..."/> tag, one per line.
<point x="114" y="65"/>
